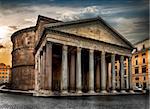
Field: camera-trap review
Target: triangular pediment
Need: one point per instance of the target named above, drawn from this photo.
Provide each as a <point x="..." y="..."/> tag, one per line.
<point x="94" y="29"/>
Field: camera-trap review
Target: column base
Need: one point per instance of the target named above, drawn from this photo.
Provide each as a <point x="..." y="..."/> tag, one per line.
<point x="114" y="91"/>
<point x="131" y="91"/>
<point x="123" y="91"/>
<point x="43" y="93"/>
<point x="104" y="91"/>
<point x="143" y="91"/>
<point x="91" y="91"/>
<point x="79" y="92"/>
<point x="64" y="92"/>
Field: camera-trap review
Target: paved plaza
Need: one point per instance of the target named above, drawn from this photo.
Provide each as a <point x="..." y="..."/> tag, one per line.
<point x="13" y="101"/>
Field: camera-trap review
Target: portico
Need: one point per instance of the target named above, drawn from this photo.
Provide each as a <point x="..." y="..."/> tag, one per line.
<point x="69" y="63"/>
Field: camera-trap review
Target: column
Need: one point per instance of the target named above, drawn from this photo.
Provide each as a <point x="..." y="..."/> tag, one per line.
<point x="41" y="70"/>
<point x="78" y="72"/>
<point x="49" y="66"/>
<point x="97" y="77"/>
<point x="103" y="72"/>
<point x="44" y="74"/>
<point x="122" y="74"/>
<point x="64" y="75"/>
<point x="36" y="73"/>
<point x="130" y="75"/>
<point x="91" y="71"/>
<point x="113" y="73"/>
<point x="109" y="77"/>
<point x="72" y="73"/>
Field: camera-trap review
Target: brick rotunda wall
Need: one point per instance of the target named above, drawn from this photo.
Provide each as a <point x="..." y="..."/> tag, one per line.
<point x="23" y="59"/>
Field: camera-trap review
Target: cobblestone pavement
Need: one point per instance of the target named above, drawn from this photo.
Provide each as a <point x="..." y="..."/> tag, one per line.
<point x="13" y="101"/>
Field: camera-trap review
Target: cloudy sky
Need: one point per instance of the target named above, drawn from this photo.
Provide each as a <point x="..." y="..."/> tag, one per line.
<point x="128" y="17"/>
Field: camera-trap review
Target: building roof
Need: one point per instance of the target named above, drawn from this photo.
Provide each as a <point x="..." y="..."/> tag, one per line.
<point x="141" y="41"/>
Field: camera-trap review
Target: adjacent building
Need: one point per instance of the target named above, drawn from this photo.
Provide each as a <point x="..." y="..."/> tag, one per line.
<point x="5" y="73"/>
<point x="141" y="65"/>
<point x="74" y="57"/>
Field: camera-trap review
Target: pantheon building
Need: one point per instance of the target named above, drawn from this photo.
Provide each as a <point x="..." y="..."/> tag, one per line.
<point x="70" y="58"/>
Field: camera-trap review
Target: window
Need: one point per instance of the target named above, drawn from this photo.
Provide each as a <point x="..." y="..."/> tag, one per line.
<point x="143" y="46"/>
<point x="136" y="60"/>
<point x="144" y="85"/>
<point x="144" y="69"/>
<point x="125" y="71"/>
<point x="136" y="70"/>
<point x="115" y="67"/>
<point x="143" y="60"/>
<point x="137" y="78"/>
<point x="137" y="84"/>
<point x="144" y="78"/>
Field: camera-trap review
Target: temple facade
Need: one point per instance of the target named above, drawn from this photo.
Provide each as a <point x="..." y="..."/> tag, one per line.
<point x="79" y="57"/>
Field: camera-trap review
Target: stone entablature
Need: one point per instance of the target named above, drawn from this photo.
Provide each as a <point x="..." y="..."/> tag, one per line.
<point x="74" y="40"/>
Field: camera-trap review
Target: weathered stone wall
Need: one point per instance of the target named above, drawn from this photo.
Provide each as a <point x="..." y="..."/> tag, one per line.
<point x="23" y="59"/>
<point x="23" y="77"/>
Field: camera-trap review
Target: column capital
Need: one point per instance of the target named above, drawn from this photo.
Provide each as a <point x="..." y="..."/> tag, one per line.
<point x="121" y="56"/>
<point x="91" y="50"/>
<point x="129" y="58"/>
<point x="103" y="52"/>
<point x="113" y="58"/>
<point x="49" y="44"/>
<point x="65" y="47"/>
<point x="79" y="49"/>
